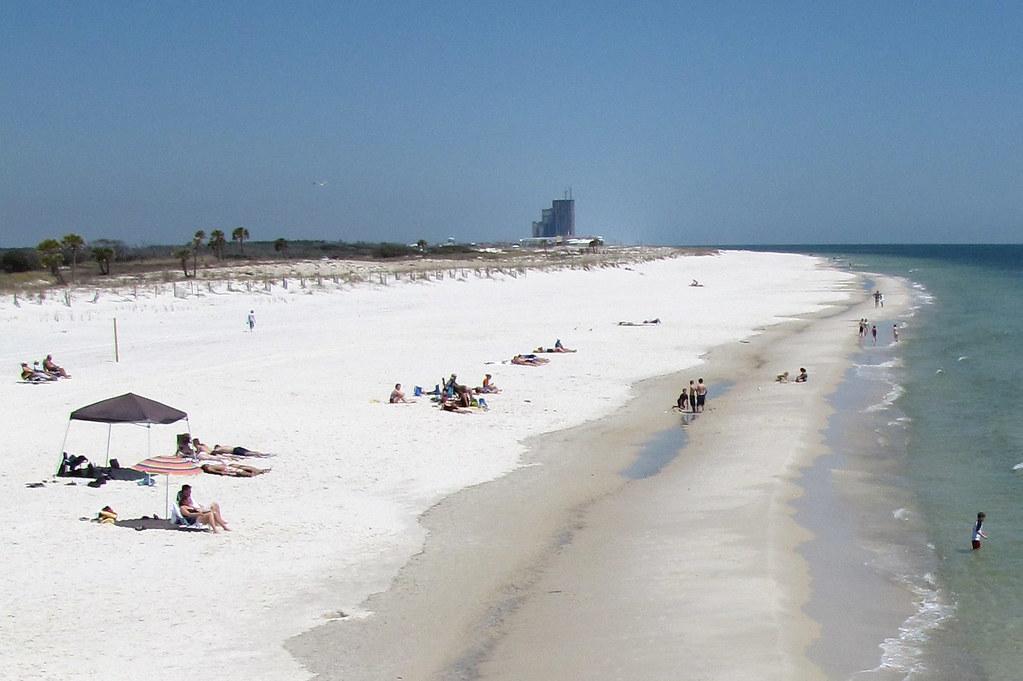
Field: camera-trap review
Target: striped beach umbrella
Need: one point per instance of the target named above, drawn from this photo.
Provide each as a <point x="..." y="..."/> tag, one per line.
<point x="168" y="465"/>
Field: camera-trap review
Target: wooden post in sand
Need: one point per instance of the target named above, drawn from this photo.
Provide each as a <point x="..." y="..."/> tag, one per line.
<point x="117" y="356"/>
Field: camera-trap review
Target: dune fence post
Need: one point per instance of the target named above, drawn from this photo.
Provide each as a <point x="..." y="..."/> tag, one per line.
<point x="117" y="356"/>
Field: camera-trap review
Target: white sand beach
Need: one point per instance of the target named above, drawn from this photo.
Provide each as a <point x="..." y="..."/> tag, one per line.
<point x="340" y="513"/>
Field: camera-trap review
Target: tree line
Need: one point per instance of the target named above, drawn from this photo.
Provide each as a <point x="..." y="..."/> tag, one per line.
<point x="72" y="250"/>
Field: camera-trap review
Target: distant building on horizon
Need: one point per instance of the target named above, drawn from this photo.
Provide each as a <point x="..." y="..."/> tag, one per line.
<point x="556" y="221"/>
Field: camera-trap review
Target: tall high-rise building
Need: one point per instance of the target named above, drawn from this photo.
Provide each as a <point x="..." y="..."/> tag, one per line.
<point x="558" y="220"/>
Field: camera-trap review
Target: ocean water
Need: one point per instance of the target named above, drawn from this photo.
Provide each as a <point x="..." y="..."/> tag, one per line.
<point x="929" y="431"/>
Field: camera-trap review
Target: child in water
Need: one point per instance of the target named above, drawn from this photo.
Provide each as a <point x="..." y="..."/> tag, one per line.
<point x="978" y="531"/>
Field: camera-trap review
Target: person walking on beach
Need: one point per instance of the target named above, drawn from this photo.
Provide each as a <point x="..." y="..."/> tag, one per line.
<point x="863" y="328"/>
<point x="873" y="332"/>
<point x="251" y="320"/>
<point x="895" y="332"/>
<point x="877" y="299"/>
<point x="692" y="396"/>
<point x="701" y="395"/>
<point x="978" y="531"/>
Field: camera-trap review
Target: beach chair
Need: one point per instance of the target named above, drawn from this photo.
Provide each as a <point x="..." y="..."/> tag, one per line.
<point x="174" y="514"/>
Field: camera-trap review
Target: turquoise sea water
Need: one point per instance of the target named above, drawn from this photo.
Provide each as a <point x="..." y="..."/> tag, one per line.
<point x="947" y="434"/>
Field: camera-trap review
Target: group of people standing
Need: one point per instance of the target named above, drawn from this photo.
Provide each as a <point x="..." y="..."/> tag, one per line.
<point x="865" y="326"/>
<point x="693" y="397"/>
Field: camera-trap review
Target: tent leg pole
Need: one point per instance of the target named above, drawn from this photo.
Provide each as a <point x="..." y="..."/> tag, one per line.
<point x="64" y="444"/>
<point x="109" y="427"/>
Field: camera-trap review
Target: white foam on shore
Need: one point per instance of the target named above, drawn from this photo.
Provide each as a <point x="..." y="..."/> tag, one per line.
<point x="902" y="655"/>
<point x="337" y="516"/>
<point x="889" y="399"/>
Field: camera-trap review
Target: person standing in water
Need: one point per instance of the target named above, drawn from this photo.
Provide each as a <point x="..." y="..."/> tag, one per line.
<point x="978" y="531"/>
<point x="895" y="332"/>
<point x="692" y="396"/>
<point x="873" y="332"/>
<point x="251" y="320"/>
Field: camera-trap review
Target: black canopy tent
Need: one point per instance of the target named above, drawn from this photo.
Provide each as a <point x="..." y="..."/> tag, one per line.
<point x="127" y="408"/>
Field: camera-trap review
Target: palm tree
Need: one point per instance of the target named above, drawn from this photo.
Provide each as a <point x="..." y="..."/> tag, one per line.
<point x="51" y="254"/>
<point x="103" y="255"/>
<point x="217" y="242"/>
<point x="74" y="243"/>
<point x="281" y="245"/>
<point x="197" y="240"/>
<point x="182" y="255"/>
<point x="240" y="234"/>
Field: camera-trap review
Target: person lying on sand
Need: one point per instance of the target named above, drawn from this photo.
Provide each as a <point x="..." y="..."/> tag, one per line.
<point x="51" y="368"/>
<point x="194" y="513"/>
<point x="202" y="452"/>
<point x="645" y="322"/>
<point x="529" y="360"/>
<point x="782" y="377"/>
<point x="234" y="470"/>
<point x="238" y="451"/>
<point x="695" y="283"/>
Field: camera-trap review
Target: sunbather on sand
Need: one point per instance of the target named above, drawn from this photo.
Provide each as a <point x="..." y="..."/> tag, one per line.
<point x="238" y="451"/>
<point x="202" y="452"/>
<point x="32" y="376"/>
<point x="488" y="386"/>
<point x="452" y="405"/>
<point x="645" y="322"/>
<point x="782" y="377"/>
<point x="529" y="360"/>
<point x="464" y="397"/>
<point x="51" y="368"/>
<point x="558" y="347"/>
<point x="397" y="395"/>
<point x="235" y="470"/>
<point x="185" y="448"/>
<point x="194" y="513"/>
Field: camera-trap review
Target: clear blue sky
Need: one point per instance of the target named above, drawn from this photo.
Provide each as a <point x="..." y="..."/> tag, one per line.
<point x="706" y="123"/>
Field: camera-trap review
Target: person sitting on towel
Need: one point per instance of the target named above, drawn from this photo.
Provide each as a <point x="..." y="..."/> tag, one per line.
<point x="397" y="395"/>
<point x="34" y="375"/>
<point x="802" y="377"/>
<point x="488" y="385"/>
<point x="51" y="368"/>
